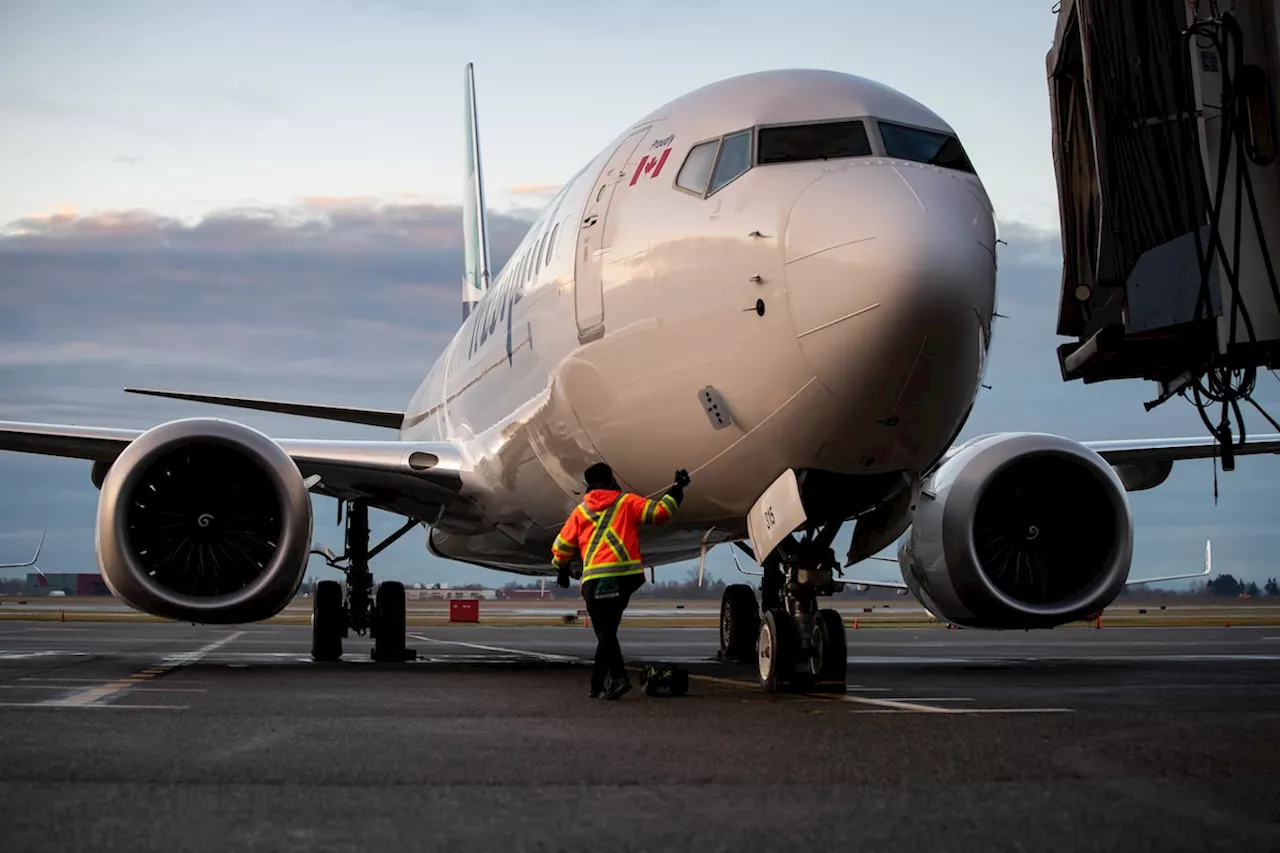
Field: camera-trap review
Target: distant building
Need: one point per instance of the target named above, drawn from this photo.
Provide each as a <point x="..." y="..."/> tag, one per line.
<point x="67" y="584"/>
<point x="525" y="594"/>
<point x="449" y="594"/>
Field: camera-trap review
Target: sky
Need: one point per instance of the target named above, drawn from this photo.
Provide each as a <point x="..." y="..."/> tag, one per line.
<point x="262" y="199"/>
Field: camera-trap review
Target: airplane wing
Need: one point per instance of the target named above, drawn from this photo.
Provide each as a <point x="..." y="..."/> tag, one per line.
<point x="385" y="418"/>
<point x="30" y="562"/>
<point x="1131" y="451"/>
<point x="897" y="586"/>
<point x="411" y="478"/>
<point x="1208" y="569"/>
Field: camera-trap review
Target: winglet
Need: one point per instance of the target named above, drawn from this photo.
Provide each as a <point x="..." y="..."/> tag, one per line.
<point x="1208" y="569"/>
<point x="33" y="559"/>
<point x="475" y="229"/>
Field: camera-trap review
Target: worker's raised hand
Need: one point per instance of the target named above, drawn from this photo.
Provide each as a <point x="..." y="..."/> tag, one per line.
<point x="682" y="478"/>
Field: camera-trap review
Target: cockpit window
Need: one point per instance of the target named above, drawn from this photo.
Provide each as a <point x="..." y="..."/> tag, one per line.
<point x="696" y="170"/>
<point x="734" y="160"/>
<point x="825" y="141"/>
<point x="924" y="146"/>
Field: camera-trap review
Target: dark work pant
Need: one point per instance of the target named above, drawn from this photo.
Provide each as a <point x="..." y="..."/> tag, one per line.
<point x="606" y="599"/>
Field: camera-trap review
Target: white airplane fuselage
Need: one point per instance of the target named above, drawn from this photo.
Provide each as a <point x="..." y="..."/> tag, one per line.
<point x="840" y="308"/>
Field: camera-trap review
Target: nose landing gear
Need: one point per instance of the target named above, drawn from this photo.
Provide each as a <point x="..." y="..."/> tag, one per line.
<point x="381" y="614"/>
<point x="797" y="646"/>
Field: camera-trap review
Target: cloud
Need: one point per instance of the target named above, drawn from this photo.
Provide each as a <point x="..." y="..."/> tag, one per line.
<point x="318" y="296"/>
<point x="343" y="300"/>
<point x="537" y="190"/>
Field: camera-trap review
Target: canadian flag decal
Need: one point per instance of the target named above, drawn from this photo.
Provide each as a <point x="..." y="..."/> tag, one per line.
<point x="650" y="165"/>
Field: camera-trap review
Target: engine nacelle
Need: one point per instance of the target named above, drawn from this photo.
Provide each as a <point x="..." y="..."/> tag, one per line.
<point x="1019" y="530"/>
<point x="204" y="520"/>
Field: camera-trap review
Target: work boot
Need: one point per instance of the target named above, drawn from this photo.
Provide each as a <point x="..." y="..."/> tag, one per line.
<point x="617" y="689"/>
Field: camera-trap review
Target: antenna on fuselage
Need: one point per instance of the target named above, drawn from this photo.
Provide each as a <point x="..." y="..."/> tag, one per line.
<point x="475" y="231"/>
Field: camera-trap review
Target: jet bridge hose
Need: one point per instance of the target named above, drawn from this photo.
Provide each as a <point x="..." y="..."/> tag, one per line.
<point x="1219" y="383"/>
<point x="1224" y="385"/>
<point x="1149" y="160"/>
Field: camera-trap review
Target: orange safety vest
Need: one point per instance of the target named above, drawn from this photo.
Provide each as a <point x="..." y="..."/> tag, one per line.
<point x="604" y="529"/>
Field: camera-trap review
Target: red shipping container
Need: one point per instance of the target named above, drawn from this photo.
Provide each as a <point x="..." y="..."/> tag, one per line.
<point x="464" y="610"/>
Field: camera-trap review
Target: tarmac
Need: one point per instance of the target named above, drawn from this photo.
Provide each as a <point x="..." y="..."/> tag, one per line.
<point x="171" y="736"/>
<point x="652" y="612"/>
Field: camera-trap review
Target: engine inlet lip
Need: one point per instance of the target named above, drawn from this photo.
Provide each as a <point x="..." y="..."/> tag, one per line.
<point x="115" y="559"/>
<point x="991" y="462"/>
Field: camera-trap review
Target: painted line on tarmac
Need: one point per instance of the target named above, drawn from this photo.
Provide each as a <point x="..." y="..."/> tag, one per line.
<point x="113" y="705"/>
<point x="43" y="678"/>
<point x="915" y="706"/>
<point x="19" y="654"/>
<point x="95" y="696"/>
<point x="508" y="651"/>
<point x="890" y="706"/>
<point x="899" y="706"/>
<point x="134" y="688"/>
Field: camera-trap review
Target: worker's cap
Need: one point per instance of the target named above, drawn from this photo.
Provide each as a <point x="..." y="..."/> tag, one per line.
<point x="599" y="476"/>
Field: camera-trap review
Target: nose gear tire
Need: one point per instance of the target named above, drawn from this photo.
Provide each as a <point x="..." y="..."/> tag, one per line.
<point x="777" y="651"/>
<point x="828" y="660"/>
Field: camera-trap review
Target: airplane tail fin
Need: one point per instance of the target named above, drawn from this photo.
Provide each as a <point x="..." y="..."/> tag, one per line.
<point x="474" y="225"/>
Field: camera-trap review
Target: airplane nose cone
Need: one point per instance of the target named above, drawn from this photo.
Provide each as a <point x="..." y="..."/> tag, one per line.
<point x="886" y="265"/>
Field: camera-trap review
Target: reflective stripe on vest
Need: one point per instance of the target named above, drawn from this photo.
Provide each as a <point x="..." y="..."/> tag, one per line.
<point x="604" y="533"/>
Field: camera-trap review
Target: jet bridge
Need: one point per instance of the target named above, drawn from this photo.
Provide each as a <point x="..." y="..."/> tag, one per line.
<point x="1165" y="149"/>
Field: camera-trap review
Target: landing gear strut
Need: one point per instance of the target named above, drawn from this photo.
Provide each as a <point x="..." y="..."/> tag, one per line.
<point x="381" y="614"/>
<point x="796" y="644"/>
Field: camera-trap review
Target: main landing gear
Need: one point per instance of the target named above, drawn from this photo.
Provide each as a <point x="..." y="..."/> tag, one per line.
<point x="335" y="611"/>
<point x="795" y="644"/>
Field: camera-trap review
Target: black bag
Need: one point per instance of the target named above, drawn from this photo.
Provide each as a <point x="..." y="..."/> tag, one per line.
<point x="664" y="680"/>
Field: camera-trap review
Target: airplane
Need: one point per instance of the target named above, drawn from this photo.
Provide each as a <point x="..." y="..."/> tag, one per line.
<point x="783" y="282"/>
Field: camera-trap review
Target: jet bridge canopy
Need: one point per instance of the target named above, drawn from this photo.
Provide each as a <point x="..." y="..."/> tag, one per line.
<point x="1169" y="203"/>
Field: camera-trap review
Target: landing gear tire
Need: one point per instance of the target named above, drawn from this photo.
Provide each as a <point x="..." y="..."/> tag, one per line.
<point x="739" y="622"/>
<point x="829" y="653"/>
<point x="328" y="621"/>
<point x="388" y="623"/>
<point x="777" y="650"/>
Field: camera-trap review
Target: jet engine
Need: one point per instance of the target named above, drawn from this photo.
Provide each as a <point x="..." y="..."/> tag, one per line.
<point x="1019" y="530"/>
<point x="204" y="520"/>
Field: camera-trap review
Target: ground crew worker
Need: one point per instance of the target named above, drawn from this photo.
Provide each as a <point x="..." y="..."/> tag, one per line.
<point x="603" y="530"/>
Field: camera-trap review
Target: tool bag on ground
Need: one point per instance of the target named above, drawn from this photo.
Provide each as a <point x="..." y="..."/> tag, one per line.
<point x="664" y="680"/>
